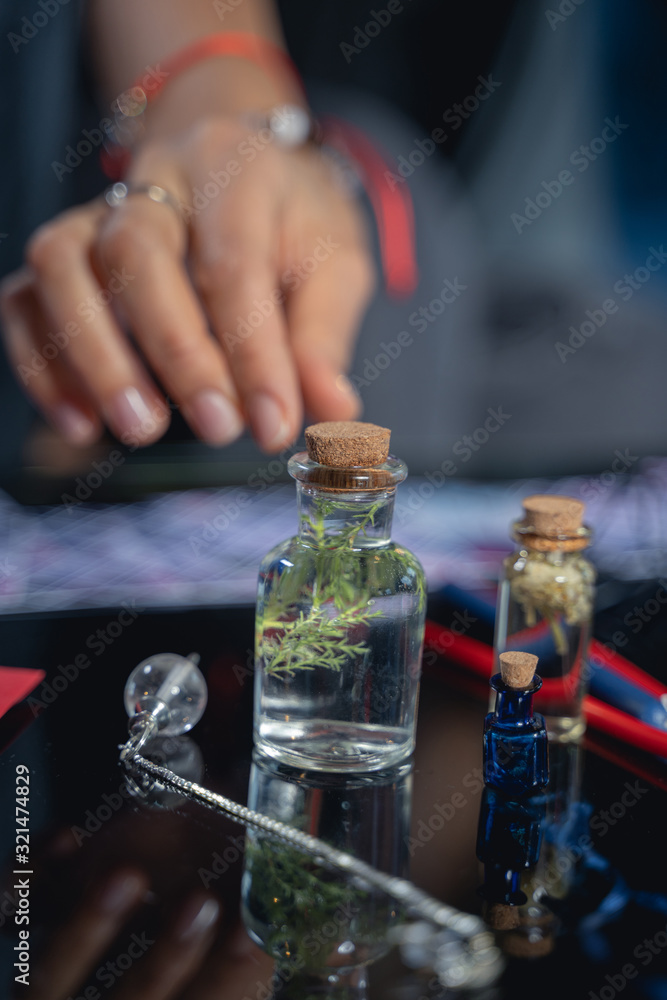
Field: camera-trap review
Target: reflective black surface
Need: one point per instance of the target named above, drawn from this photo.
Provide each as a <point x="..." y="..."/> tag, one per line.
<point x="133" y="899"/>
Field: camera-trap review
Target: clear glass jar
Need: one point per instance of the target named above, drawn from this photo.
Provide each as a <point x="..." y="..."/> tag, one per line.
<point x="339" y="626"/>
<point x="314" y="920"/>
<point x="545" y="607"/>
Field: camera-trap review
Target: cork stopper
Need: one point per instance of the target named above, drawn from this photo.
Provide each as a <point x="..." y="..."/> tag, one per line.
<point x="342" y="444"/>
<point x="553" y="522"/>
<point x="553" y="515"/>
<point x="502" y="916"/>
<point x="517" y="669"/>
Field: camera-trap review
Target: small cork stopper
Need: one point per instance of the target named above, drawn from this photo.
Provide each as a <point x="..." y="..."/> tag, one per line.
<point x="502" y="917"/>
<point x="552" y="516"/>
<point x="517" y="669"/>
<point x="342" y="444"/>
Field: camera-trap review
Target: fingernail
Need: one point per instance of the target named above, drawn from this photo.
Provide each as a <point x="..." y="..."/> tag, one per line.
<point x="73" y="424"/>
<point x="214" y="417"/>
<point x="130" y="413"/>
<point x="267" y="421"/>
<point x="344" y="386"/>
<point x="120" y="892"/>
<point x="196" y="919"/>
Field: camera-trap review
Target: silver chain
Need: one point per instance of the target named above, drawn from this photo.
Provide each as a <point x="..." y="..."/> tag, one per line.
<point x="479" y="941"/>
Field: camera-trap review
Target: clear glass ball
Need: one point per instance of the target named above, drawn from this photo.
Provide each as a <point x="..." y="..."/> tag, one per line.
<point x="171" y="688"/>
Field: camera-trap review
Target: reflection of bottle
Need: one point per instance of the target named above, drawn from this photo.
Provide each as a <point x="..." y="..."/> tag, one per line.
<point x="545" y="604"/>
<point x="515" y="740"/>
<point x="340" y="613"/>
<point x="313" y="920"/>
<point x="566" y="834"/>
<point x="305" y="987"/>
<point x="509" y="838"/>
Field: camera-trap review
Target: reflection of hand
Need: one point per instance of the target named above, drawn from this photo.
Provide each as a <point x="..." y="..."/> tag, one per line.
<point x="124" y="963"/>
<point x="272" y="260"/>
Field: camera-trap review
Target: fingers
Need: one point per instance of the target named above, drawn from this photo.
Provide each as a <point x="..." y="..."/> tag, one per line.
<point x="147" y="241"/>
<point x="34" y="353"/>
<point x="236" y="969"/>
<point x="235" y="270"/>
<point x="76" y="948"/>
<point x="324" y="315"/>
<point x="170" y="962"/>
<point x="212" y="306"/>
<point x="98" y="353"/>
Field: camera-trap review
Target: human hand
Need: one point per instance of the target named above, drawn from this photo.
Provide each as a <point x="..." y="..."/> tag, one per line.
<point x="244" y="310"/>
<point x="109" y="943"/>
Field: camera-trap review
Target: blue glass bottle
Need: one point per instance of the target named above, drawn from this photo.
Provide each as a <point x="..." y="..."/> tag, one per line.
<point x="515" y="740"/>
<point x="509" y="837"/>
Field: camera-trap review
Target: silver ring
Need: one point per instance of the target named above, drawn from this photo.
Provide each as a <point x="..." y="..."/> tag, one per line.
<point x="119" y="192"/>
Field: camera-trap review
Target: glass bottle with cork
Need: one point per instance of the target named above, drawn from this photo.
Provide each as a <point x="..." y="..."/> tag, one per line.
<point x="545" y="606"/>
<point x="516" y="758"/>
<point x="340" y="613"/>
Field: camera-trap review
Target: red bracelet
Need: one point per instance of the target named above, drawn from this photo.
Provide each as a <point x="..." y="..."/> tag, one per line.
<point x="130" y="105"/>
<point x="240" y="44"/>
<point x="392" y="206"/>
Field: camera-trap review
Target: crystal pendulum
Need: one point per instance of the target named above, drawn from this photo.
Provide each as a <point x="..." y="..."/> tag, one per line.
<point x="165" y="694"/>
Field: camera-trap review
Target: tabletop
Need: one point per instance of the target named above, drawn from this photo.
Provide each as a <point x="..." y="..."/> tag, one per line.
<point x="128" y="896"/>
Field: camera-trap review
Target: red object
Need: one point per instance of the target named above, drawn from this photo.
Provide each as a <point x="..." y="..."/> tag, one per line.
<point x="614" y="661"/>
<point x="610" y="659"/>
<point x="478" y="657"/>
<point x="115" y="160"/>
<point x="16" y="683"/>
<point x="392" y="204"/>
<point x="242" y="44"/>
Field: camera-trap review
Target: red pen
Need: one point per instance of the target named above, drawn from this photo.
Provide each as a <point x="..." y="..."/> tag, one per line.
<point x="478" y="657"/>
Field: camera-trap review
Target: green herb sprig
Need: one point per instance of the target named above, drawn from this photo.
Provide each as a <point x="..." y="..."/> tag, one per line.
<point x="342" y="593"/>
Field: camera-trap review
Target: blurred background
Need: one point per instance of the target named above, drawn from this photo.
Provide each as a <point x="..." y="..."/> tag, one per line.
<point x="531" y="140"/>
